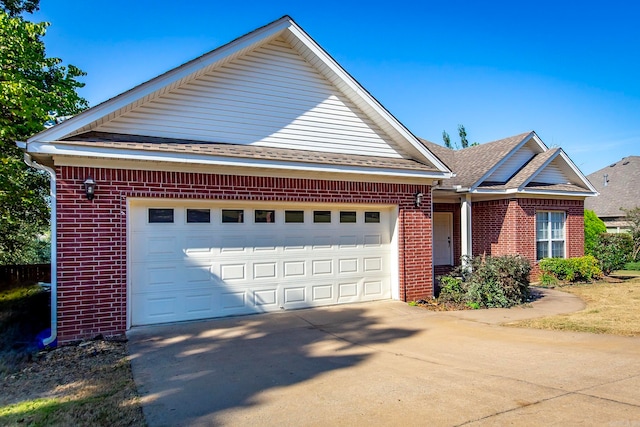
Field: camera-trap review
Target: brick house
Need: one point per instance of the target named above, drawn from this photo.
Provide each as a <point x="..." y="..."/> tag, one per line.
<point x="261" y="176"/>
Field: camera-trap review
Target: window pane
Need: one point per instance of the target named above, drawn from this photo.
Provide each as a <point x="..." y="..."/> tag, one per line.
<point x="557" y="225"/>
<point x="541" y="250"/>
<point x="347" y="216"/>
<point x="542" y="229"/>
<point x="265" y="216"/>
<point x="321" y="216"/>
<point x="198" y="215"/>
<point x="372" y="217"/>
<point x="294" y="216"/>
<point x="232" y="215"/>
<point x="160" y="215"/>
<point x="557" y="249"/>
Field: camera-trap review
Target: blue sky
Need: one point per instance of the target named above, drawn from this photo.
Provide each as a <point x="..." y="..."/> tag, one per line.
<point x="570" y="70"/>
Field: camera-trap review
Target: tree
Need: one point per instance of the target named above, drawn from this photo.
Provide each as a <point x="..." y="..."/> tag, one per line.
<point x="593" y="228"/>
<point x="463" y="136"/>
<point x="462" y="132"/>
<point x="33" y="90"/>
<point x="633" y="217"/>
<point x="16" y="7"/>
<point x="446" y="139"/>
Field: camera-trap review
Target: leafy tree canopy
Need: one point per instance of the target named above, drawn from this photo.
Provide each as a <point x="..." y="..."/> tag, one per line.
<point x="633" y="216"/>
<point x="33" y="90"/>
<point x="16" y="7"/>
<point x="462" y="133"/>
<point x="593" y="228"/>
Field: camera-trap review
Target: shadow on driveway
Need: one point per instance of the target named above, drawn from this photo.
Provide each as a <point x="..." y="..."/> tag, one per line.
<point x="188" y="371"/>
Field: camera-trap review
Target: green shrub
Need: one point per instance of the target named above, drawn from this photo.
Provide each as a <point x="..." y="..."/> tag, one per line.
<point x="593" y="227"/>
<point x="580" y="269"/>
<point x="490" y="282"/>
<point x="613" y="251"/>
<point x="632" y="266"/>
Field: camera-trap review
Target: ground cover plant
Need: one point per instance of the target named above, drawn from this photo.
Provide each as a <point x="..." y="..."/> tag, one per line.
<point x="89" y="383"/>
<point x="611" y="308"/>
<point x="485" y="282"/>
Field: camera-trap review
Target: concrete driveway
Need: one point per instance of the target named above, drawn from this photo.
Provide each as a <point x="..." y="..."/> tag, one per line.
<point x="386" y="363"/>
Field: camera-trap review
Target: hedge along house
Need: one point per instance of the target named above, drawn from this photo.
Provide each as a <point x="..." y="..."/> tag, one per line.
<point x="512" y="196"/>
<point x="258" y="177"/>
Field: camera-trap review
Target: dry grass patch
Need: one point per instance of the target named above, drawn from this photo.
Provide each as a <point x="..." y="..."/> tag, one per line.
<point x="612" y="308"/>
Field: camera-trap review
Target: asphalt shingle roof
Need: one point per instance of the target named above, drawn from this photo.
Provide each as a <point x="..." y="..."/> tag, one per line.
<point x="622" y="189"/>
<point x="134" y="142"/>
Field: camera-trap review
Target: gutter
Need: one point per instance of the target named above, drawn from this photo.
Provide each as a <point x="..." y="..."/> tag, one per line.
<point x="51" y="340"/>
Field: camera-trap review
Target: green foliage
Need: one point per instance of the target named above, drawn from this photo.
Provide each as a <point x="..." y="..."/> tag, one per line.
<point x="462" y="132"/>
<point x="34" y="89"/>
<point x="16" y="7"/>
<point x="633" y="216"/>
<point x="635" y="266"/>
<point x="593" y="227"/>
<point x="447" y="139"/>
<point x="548" y="279"/>
<point x="580" y="269"/>
<point x="613" y="251"/>
<point x="490" y="282"/>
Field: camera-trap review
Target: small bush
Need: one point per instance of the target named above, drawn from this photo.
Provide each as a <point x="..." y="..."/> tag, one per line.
<point x="613" y="251"/>
<point x="490" y="282"/>
<point x="593" y="227"/>
<point x="632" y="266"/>
<point x="581" y="269"/>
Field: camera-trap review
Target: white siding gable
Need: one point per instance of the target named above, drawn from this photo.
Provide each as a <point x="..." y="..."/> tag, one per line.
<point x="269" y="97"/>
<point x="512" y="165"/>
<point x="553" y="173"/>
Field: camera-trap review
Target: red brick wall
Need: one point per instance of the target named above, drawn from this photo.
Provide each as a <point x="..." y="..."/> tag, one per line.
<point x="506" y="227"/>
<point x="92" y="234"/>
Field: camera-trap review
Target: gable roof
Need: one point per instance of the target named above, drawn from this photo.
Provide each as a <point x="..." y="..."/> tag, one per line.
<point x="622" y="189"/>
<point x="381" y="134"/>
<point x="517" y="164"/>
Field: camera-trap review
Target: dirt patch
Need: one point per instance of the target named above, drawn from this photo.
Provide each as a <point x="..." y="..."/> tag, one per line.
<point x="85" y="384"/>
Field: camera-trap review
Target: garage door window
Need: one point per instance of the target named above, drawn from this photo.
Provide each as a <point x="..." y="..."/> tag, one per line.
<point x="198" y="215"/>
<point x="265" y="216"/>
<point x="294" y="216"/>
<point x="348" y="216"/>
<point x="322" y="216"/>
<point x="232" y="215"/>
<point x="157" y="215"/>
<point x="372" y="217"/>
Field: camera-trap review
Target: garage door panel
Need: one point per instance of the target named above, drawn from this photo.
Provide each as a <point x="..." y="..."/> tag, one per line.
<point x="183" y="271"/>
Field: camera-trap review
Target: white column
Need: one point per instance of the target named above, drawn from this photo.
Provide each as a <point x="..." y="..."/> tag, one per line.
<point x="465" y="225"/>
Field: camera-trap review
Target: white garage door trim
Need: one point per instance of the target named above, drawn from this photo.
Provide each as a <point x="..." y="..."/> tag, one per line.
<point x="330" y="259"/>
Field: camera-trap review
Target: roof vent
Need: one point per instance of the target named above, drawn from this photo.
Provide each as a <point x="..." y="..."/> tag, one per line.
<point x="625" y="163"/>
<point x="606" y="179"/>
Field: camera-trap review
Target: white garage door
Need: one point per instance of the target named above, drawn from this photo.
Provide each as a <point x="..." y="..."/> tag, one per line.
<point x="195" y="260"/>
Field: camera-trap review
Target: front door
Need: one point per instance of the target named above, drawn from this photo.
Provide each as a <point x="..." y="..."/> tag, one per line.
<point x="442" y="238"/>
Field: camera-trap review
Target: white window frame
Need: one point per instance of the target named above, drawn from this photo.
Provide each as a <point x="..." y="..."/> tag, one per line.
<point x="549" y="238"/>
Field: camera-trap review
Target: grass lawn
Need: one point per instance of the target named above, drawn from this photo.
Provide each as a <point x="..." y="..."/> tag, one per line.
<point x="85" y="384"/>
<point x="612" y="308"/>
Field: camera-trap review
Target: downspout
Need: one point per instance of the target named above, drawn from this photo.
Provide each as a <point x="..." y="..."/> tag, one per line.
<point x="51" y="339"/>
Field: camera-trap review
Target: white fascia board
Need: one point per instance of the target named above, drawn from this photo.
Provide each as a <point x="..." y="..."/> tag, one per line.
<point x="359" y="91"/>
<point x="577" y="171"/>
<point x="65" y="128"/>
<point x="558" y="193"/>
<point x="201" y="159"/>
<point x="504" y="159"/>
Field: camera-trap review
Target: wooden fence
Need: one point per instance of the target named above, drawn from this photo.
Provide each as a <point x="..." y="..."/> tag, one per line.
<point x="11" y="275"/>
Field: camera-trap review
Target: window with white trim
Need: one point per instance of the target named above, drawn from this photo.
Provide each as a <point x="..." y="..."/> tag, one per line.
<point x="550" y="235"/>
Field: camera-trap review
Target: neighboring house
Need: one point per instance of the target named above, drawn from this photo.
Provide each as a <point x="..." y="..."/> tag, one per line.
<point x="261" y="176"/>
<point x="619" y="187"/>
<point x="512" y="196"/>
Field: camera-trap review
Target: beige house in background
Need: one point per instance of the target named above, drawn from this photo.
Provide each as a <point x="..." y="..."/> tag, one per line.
<point x="619" y="187"/>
